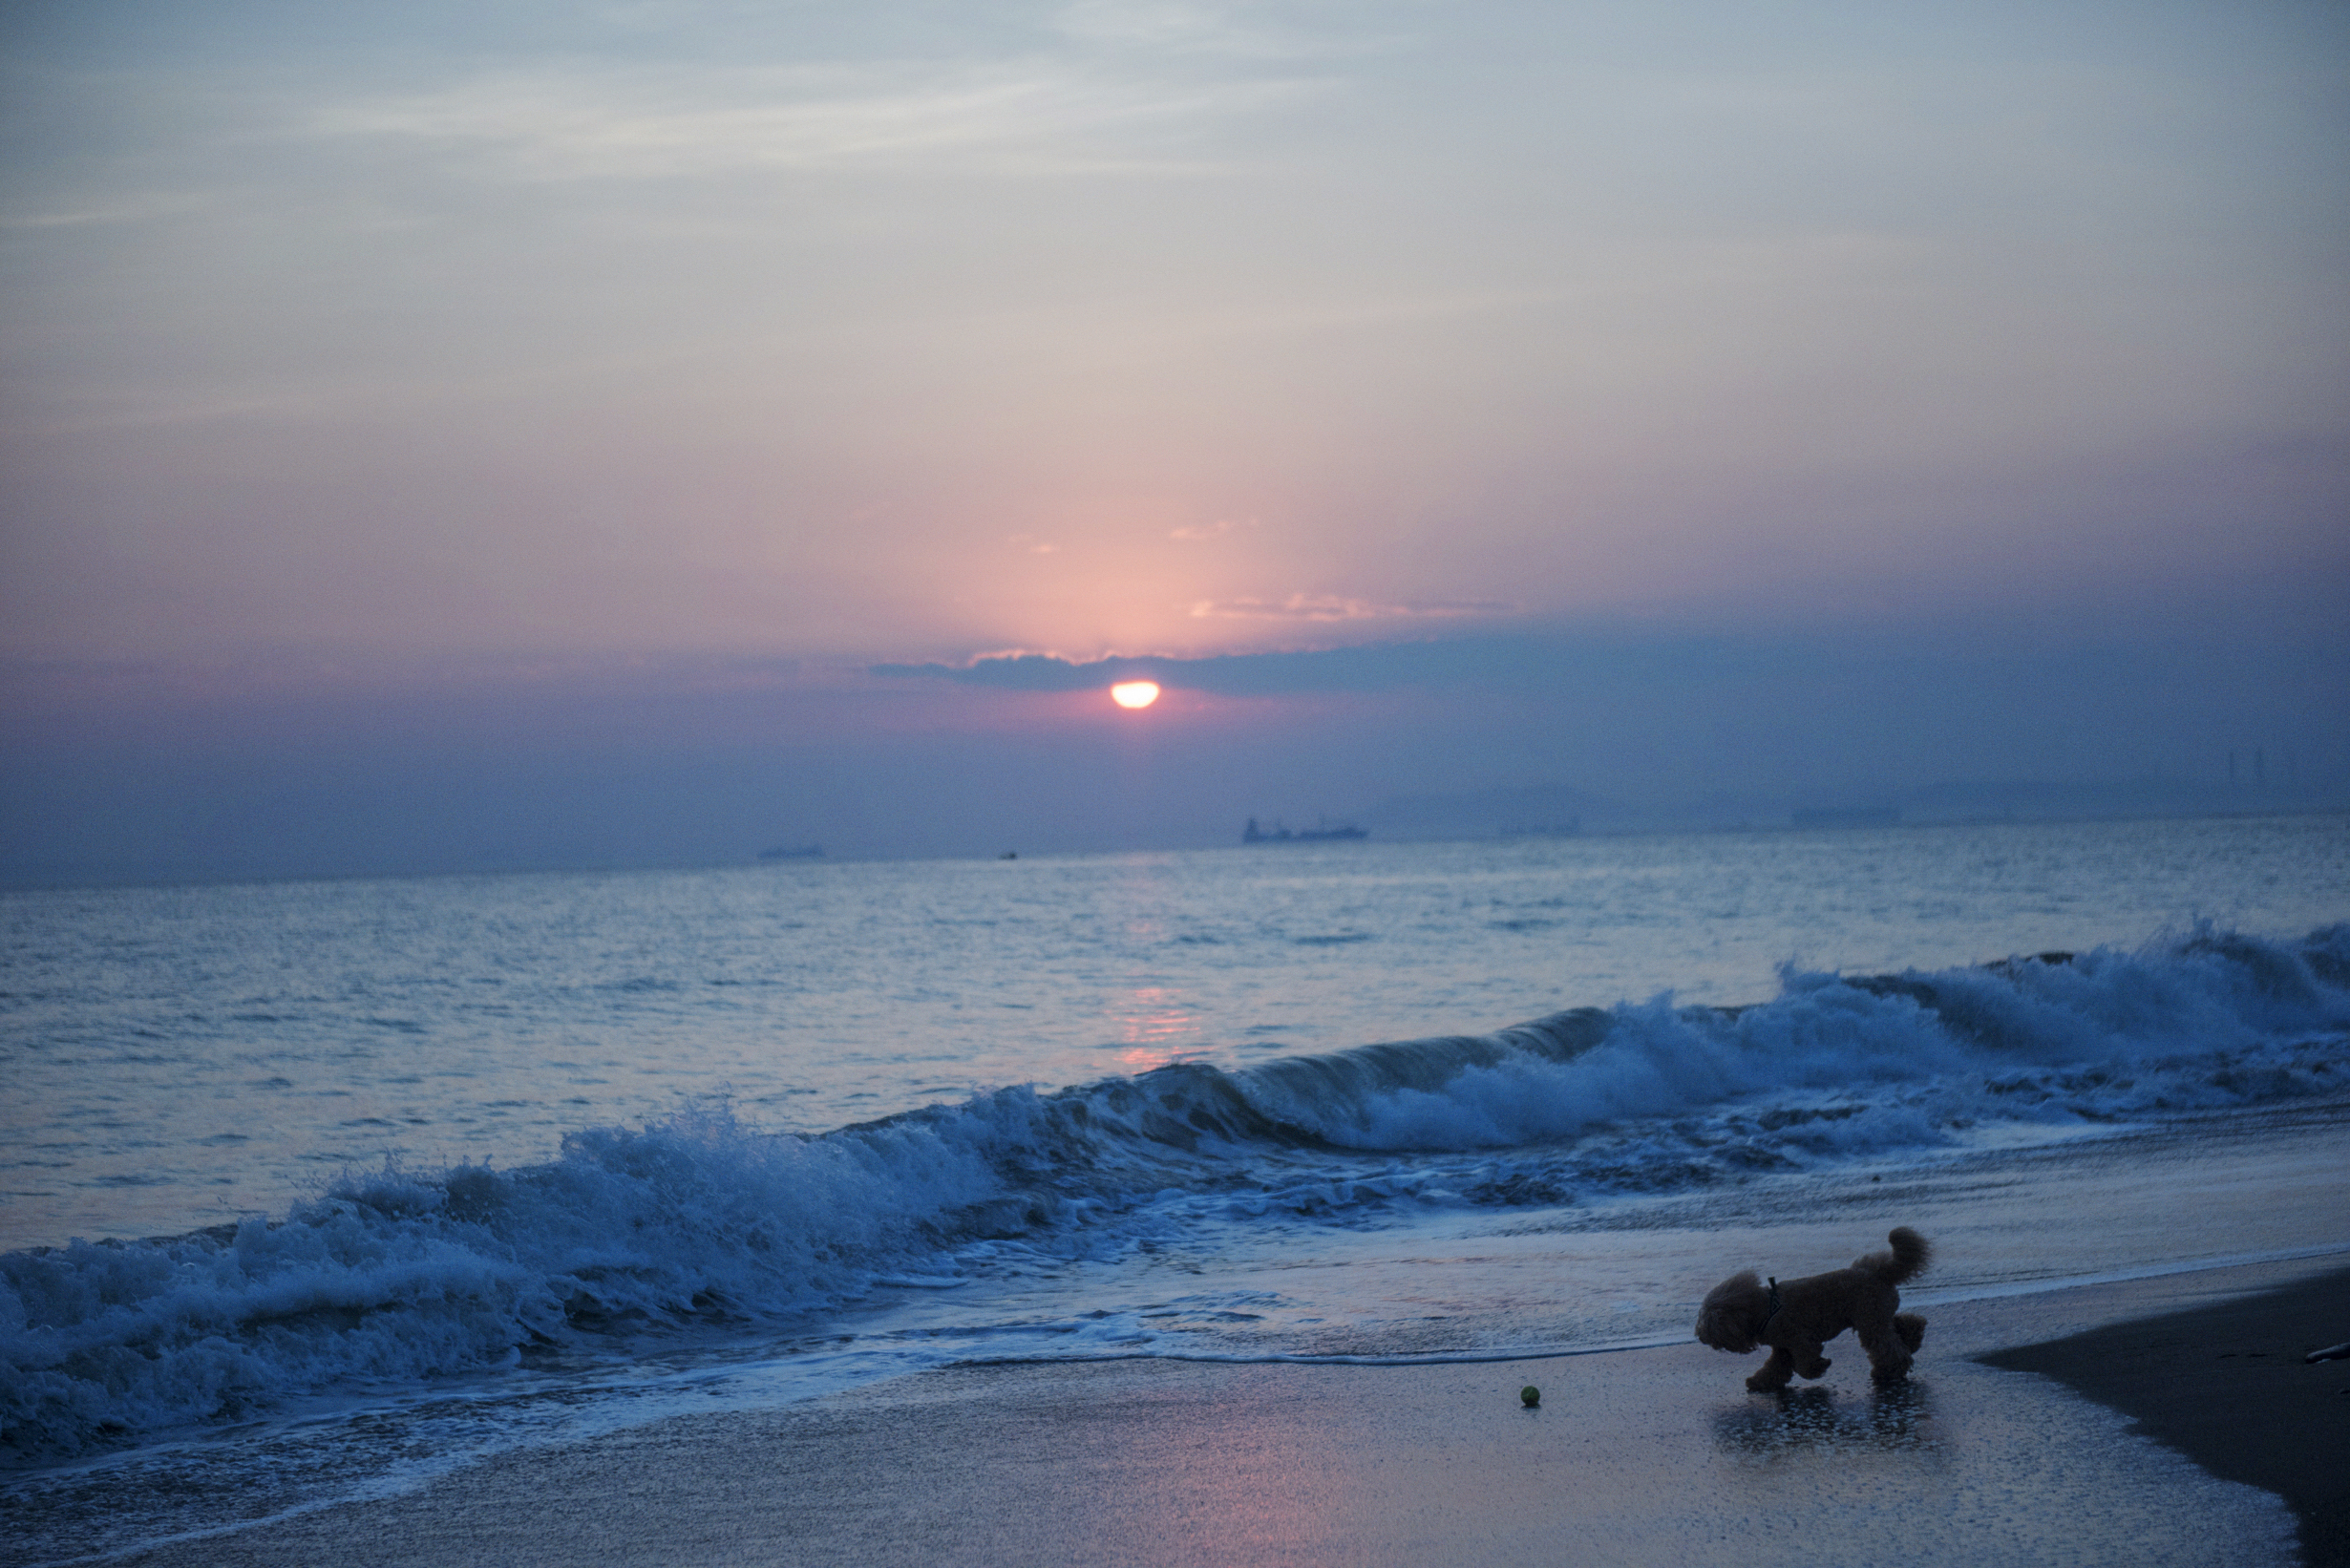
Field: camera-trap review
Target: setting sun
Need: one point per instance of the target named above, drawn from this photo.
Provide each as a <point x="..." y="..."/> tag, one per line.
<point x="1135" y="693"/>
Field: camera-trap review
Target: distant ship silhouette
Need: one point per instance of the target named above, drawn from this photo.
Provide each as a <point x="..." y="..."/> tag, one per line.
<point x="1255" y="834"/>
<point x="1849" y="816"/>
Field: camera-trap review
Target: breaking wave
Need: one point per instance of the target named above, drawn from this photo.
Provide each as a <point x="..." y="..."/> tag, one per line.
<point x="396" y="1276"/>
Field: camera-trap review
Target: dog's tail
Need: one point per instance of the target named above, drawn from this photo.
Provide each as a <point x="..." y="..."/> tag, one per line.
<point x="1909" y="1256"/>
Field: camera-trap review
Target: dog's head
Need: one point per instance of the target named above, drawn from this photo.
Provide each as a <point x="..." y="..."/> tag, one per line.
<point x="1733" y="1314"/>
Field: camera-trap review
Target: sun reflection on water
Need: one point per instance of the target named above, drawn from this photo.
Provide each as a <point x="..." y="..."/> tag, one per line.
<point x="1154" y="1028"/>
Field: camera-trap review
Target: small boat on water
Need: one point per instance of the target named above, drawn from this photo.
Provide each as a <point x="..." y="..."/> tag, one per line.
<point x="1255" y="834"/>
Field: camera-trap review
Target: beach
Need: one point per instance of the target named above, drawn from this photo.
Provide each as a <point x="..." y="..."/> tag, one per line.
<point x="1271" y="1304"/>
<point x="1641" y="1457"/>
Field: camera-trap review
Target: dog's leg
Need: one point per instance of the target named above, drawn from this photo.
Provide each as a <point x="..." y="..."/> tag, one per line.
<point x="1772" y="1375"/>
<point x="1809" y="1362"/>
<point x="1889" y="1359"/>
<point x="1911" y="1328"/>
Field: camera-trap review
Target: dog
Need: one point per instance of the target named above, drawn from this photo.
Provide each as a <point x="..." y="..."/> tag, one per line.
<point x="1797" y="1318"/>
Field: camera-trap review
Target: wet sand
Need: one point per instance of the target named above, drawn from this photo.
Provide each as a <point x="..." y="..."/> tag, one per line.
<point x="2227" y="1385"/>
<point x="1633" y="1457"/>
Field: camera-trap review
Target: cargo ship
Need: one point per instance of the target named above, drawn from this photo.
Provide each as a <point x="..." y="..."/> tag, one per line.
<point x="1255" y="834"/>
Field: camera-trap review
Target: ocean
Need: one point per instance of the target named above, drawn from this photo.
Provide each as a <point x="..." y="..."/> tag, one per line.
<point x="315" y="1190"/>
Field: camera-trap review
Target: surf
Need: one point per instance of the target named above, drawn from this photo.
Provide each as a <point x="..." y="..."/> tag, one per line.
<point x="701" y="1225"/>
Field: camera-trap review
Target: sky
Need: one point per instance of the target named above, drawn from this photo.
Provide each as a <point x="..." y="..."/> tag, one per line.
<point x="442" y="436"/>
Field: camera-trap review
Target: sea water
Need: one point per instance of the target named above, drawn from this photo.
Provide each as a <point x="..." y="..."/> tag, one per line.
<point x="317" y="1189"/>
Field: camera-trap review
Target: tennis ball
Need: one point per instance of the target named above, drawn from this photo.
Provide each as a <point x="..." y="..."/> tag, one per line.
<point x="1530" y="1394"/>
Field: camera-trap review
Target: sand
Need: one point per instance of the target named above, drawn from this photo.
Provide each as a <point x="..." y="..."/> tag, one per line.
<point x="1637" y="1457"/>
<point x="2229" y="1384"/>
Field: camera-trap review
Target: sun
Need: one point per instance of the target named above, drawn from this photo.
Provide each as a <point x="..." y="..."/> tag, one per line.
<point x="1135" y="693"/>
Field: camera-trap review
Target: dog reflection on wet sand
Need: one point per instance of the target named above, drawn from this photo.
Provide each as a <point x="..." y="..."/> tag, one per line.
<point x="1895" y="1418"/>
<point x="1796" y="1318"/>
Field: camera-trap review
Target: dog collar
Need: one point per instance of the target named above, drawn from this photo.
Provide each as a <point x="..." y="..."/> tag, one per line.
<point x="1774" y="1303"/>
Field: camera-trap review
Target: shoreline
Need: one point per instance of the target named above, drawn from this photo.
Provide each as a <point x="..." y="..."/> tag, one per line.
<point x="1633" y="1456"/>
<point x="2226" y="1385"/>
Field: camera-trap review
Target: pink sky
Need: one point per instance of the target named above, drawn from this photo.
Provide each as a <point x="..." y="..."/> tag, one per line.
<point x="386" y="353"/>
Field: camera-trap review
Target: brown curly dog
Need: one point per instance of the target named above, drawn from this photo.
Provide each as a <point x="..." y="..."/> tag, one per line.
<point x="1797" y="1318"/>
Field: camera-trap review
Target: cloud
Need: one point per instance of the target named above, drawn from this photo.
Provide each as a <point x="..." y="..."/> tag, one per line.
<point x="1025" y="116"/>
<point x="1198" y="532"/>
<point x="138" y="209"/>
<point x="1154" y="23"/>
<point x="1165" y="26"/>
<point x="1533" y="663"/>
<point x="1300" y="606"/>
